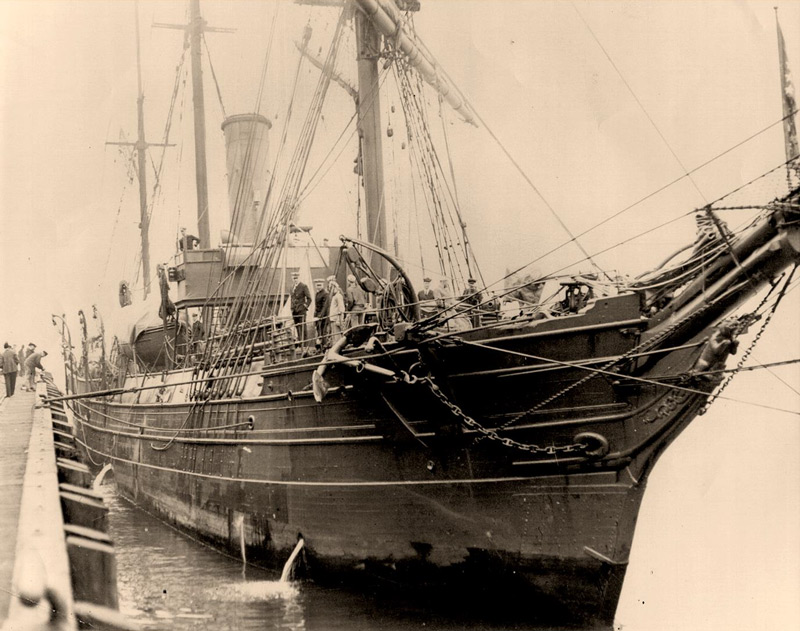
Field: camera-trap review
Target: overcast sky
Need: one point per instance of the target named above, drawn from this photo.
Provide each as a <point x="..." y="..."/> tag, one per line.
<point x="723" y="531"/>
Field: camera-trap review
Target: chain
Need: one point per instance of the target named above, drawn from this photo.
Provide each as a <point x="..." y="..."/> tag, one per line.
<point x="747" y="320"/>
<point x="636" y="349"/>
<point x="470" y="422"/>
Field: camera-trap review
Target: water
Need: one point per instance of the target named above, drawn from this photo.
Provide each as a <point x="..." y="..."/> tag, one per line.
<point x="168" y="581"/>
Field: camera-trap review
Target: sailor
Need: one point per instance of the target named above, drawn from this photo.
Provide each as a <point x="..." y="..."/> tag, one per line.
<point x="426" y="297"/>
<point x="321" y="306"/>
<point x="472" y="296"/>
<point x="198" y="333"/>
<point x="300" y="299"/>
<point x="355" y="302"/>
<point x="187" y="241"/>
<point x="336" y="310"/>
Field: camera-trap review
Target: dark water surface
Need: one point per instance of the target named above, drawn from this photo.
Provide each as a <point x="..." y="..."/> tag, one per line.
<point x="168" y="581"/>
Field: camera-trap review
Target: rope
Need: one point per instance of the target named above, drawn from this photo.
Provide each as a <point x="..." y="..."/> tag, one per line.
<point x="214" y="75"/>
<point x="603" y="371"/>
<point x="640" y="104"/>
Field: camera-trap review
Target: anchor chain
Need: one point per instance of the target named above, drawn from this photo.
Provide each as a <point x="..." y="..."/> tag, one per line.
<point x="491" y="434"/>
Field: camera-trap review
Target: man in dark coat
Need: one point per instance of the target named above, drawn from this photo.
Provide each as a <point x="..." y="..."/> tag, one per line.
<point x="472" y="296"/>
<point x="300" y="299"/>
<point x="426" y="293"/>
<point x="9" y="363"/>
<point x="198" y="334"/>
<point x="321" y="306"/>
<point x="426" y="298"/>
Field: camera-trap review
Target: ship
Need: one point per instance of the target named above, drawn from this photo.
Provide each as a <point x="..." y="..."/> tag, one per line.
<point x="494" y="440"/>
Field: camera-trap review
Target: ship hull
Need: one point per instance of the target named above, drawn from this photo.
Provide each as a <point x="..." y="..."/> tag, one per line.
<point x="554" y="547"/>
<point x="384" y="491"/>
<point x="511" y="459"/>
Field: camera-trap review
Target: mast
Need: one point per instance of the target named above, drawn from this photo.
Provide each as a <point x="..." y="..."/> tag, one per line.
<point x="195" y="29"/>
<point x="141" y="148"/>
<point x="369" y="133"/>
<point x="387" y="19"/>
<point x="196" y="26"/>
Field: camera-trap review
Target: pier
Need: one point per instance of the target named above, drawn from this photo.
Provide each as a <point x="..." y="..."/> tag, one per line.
<point x="57" y="564"/>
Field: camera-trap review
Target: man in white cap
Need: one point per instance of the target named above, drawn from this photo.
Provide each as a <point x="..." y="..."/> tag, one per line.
<point x="355" y="302"/>
<point x="336" y="310"/>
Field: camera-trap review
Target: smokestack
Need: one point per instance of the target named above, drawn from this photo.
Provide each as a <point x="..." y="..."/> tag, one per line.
<point x="246" y="147"/>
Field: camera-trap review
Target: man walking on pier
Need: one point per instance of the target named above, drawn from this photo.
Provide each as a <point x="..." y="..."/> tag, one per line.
<point x="9" y="364"/>
<point x="21" y="358"/>
<point x="33" y="362"/>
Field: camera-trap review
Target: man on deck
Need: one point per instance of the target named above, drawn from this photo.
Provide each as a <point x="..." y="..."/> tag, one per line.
<point x="300" y="300"/>
<point x="321" y="306"/>
<point x="472" y="296"/>
<point x="355" y="302"/>
<point x="426" y="298"/>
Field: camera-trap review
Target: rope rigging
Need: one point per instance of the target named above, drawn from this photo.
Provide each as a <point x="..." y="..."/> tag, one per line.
<point x="236" y="333"/>
<point x="258" y="279"/>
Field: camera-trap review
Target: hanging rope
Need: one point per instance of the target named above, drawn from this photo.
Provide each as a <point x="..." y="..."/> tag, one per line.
<point x="214" y="75"/>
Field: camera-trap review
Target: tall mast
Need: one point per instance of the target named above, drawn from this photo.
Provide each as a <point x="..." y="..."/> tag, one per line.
<point x="196" y="27"/>
<point x="141" y="148"/>
<point x="369" y="132"/>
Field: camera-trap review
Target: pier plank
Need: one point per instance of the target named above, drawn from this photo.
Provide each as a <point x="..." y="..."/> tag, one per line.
<point x="16" y="420"/>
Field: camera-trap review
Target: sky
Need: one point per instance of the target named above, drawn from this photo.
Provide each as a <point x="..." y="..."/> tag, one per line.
<point x="599" y="103"/>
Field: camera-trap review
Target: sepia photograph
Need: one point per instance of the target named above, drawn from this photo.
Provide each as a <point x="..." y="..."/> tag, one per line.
<point x="399" y="314"/>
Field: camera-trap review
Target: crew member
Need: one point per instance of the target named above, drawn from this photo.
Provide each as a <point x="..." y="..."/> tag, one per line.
<point x="300" y="300"/>
<point x="336" y="310"/>
<point x="198" y="333"/>
<point x="321" y="306"/>
<point x="426" y="298"/>
<point x="472" y="296"/>
<point x="356" y="302"/>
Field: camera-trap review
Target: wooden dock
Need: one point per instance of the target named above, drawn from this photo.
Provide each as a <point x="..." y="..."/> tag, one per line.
<point x="16" y="421"/>
<point x="57" y="564"/>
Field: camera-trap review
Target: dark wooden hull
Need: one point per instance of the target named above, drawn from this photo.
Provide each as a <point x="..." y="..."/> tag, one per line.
<point x="431" y="507"/>
<point x="386" y="480"/>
